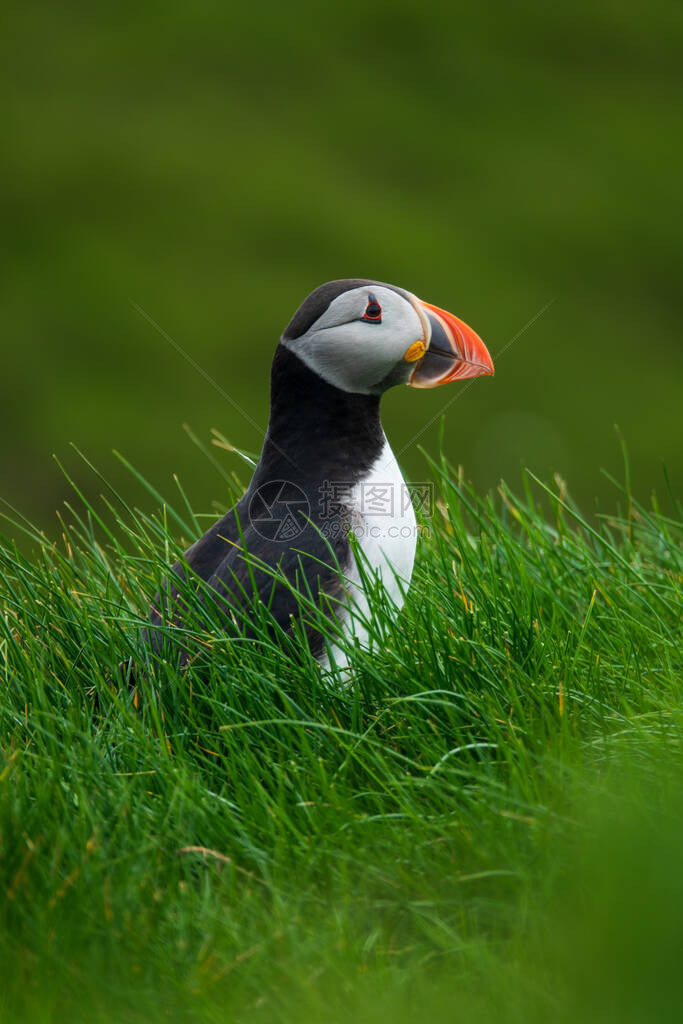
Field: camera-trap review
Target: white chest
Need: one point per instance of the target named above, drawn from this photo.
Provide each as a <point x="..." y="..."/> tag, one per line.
<point x="384" y="524"/>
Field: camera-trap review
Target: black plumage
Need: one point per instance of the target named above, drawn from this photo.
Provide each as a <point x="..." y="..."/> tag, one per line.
<point x="317" y="435"/>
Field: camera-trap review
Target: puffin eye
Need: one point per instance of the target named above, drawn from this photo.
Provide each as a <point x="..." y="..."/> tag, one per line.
<point x="373" y="311"/>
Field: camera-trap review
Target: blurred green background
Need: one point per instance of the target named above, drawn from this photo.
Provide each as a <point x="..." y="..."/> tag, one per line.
<point x="215" y="162"/>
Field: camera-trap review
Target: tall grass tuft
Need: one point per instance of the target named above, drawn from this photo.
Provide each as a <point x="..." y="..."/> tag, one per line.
<point x="482" y="820"/>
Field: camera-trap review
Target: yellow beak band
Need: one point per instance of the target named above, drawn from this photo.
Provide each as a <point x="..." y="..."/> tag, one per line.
<point x="415" y="352"/>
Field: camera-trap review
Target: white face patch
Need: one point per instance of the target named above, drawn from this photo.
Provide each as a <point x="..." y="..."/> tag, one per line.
<point x="356" y="354"/>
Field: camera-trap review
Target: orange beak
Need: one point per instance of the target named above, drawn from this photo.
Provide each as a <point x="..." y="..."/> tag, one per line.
<point x="454" y="351"/>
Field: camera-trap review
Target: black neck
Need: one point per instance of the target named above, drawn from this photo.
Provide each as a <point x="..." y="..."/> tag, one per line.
<point x="316" y="431"/>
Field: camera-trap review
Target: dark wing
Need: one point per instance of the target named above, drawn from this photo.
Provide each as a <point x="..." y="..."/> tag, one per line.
<point x="207" y="553"/>
<point x="250" y="573"/>
<point x="275" y="573"/>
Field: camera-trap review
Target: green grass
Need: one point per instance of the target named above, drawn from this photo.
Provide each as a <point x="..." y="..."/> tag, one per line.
<point x="484" y="825"/>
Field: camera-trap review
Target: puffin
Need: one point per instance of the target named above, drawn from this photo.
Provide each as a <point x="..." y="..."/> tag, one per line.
<point x="327" y="516"/>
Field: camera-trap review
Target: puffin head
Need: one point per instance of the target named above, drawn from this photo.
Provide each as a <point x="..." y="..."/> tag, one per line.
<point x="364" y="337"/>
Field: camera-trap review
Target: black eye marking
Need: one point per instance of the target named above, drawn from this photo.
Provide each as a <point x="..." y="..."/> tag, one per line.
<point x="373" y="311"/>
